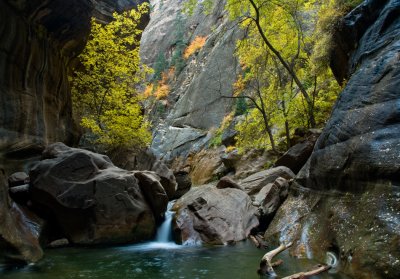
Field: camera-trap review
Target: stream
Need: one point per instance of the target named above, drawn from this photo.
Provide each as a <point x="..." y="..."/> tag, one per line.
<point x="159" y="259"/>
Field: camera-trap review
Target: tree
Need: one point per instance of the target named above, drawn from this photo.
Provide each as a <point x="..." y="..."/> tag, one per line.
<point x="104" y="88"/>
<point x="177" y="59"/>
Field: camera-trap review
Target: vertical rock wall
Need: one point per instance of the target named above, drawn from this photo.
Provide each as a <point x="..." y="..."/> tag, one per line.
<point x="195" y="104"/>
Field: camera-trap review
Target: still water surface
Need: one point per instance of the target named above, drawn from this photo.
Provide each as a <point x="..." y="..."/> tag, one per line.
<point x="155" y="260"/>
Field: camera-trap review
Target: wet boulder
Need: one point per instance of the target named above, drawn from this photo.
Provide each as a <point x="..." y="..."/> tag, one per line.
<point x="91" y="200"/>
<point x="19" y="229"/>
<point x="214" y="216"/>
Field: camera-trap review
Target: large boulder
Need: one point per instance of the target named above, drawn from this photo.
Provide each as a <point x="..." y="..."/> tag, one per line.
<point x="347" y="200"/>
<point x="92" y="200"/>
<point x="254" y="183"/>
<point x="145" y="160"/>
<point x="19" y="229"/>
<point x="214" y="216"/>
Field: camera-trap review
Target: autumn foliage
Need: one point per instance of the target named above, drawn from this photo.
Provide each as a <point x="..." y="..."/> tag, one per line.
<point x="194" y="46"/>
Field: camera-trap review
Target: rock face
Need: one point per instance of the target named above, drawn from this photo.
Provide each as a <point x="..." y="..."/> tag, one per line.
<point x="39" y="40"/>
<point x="195" y="103"/>
<point x="19" y="229"/>
<point x="92" y="200"/>
<point x="355" y="164"/>
<point x="145" y="160"/>
<point x="214" y="216"/>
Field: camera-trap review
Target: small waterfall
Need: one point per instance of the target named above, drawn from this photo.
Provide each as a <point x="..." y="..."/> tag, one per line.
<point x="164" y="232"/>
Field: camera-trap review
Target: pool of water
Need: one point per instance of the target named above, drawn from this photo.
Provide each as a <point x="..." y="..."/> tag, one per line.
<point x="155" y="260"/>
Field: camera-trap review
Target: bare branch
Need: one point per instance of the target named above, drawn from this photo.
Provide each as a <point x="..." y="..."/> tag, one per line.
<point x="266" y="261"/>
<point x="304" y="275"/>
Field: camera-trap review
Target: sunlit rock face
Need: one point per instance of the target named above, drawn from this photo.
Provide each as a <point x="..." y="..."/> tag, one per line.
<point x="350" y="203"/>
<point x="39" y="41"/>
<point x="196" y="102"/>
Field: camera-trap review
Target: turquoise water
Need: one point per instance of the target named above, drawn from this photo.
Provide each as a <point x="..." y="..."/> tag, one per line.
<point x="155" y="260"/>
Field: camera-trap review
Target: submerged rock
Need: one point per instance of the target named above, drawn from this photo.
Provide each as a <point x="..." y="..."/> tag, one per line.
<point x="92" y="200"/>
<point x="19" y="229"/>
<point x="214" y="216"/>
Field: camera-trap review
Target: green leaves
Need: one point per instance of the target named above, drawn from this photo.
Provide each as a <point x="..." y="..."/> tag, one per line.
<point x="104" y="90"/>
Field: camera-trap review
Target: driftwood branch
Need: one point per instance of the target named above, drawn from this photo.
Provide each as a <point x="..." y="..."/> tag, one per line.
<point x="304" y="275"/>
<point x="266" y="266"/>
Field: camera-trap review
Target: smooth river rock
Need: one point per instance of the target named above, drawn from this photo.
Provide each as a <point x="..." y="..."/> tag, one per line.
<point x="92" y="200"/>
<point x="213" y="216"/>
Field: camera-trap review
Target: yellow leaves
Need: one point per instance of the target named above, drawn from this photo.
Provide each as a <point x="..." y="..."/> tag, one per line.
<point x="230" y="148"/>
<point x="239" y="86"/>
<point x="104" y="93"/>
<point x="194" y="46"/>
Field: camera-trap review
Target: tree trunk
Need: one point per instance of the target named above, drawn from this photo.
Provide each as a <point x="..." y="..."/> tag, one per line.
<point x="287" y="131"/>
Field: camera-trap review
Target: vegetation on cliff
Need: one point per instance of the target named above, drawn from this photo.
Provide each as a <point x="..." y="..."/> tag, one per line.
<point x="104" y="89"/>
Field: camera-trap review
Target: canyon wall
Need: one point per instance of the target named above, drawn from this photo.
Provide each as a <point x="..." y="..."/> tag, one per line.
<point x="346" y="198"/>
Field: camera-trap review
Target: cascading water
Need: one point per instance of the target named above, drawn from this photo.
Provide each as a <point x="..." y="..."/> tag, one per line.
<point x="164" y="232"/>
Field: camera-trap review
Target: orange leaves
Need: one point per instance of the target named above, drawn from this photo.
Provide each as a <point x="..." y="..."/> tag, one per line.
<point x="160" y="90"/>
<point x="194" y="46"/>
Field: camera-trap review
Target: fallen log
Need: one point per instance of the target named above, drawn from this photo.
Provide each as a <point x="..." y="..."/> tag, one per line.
<point x="304" y="275"/>
<point x="266" y="267"/>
